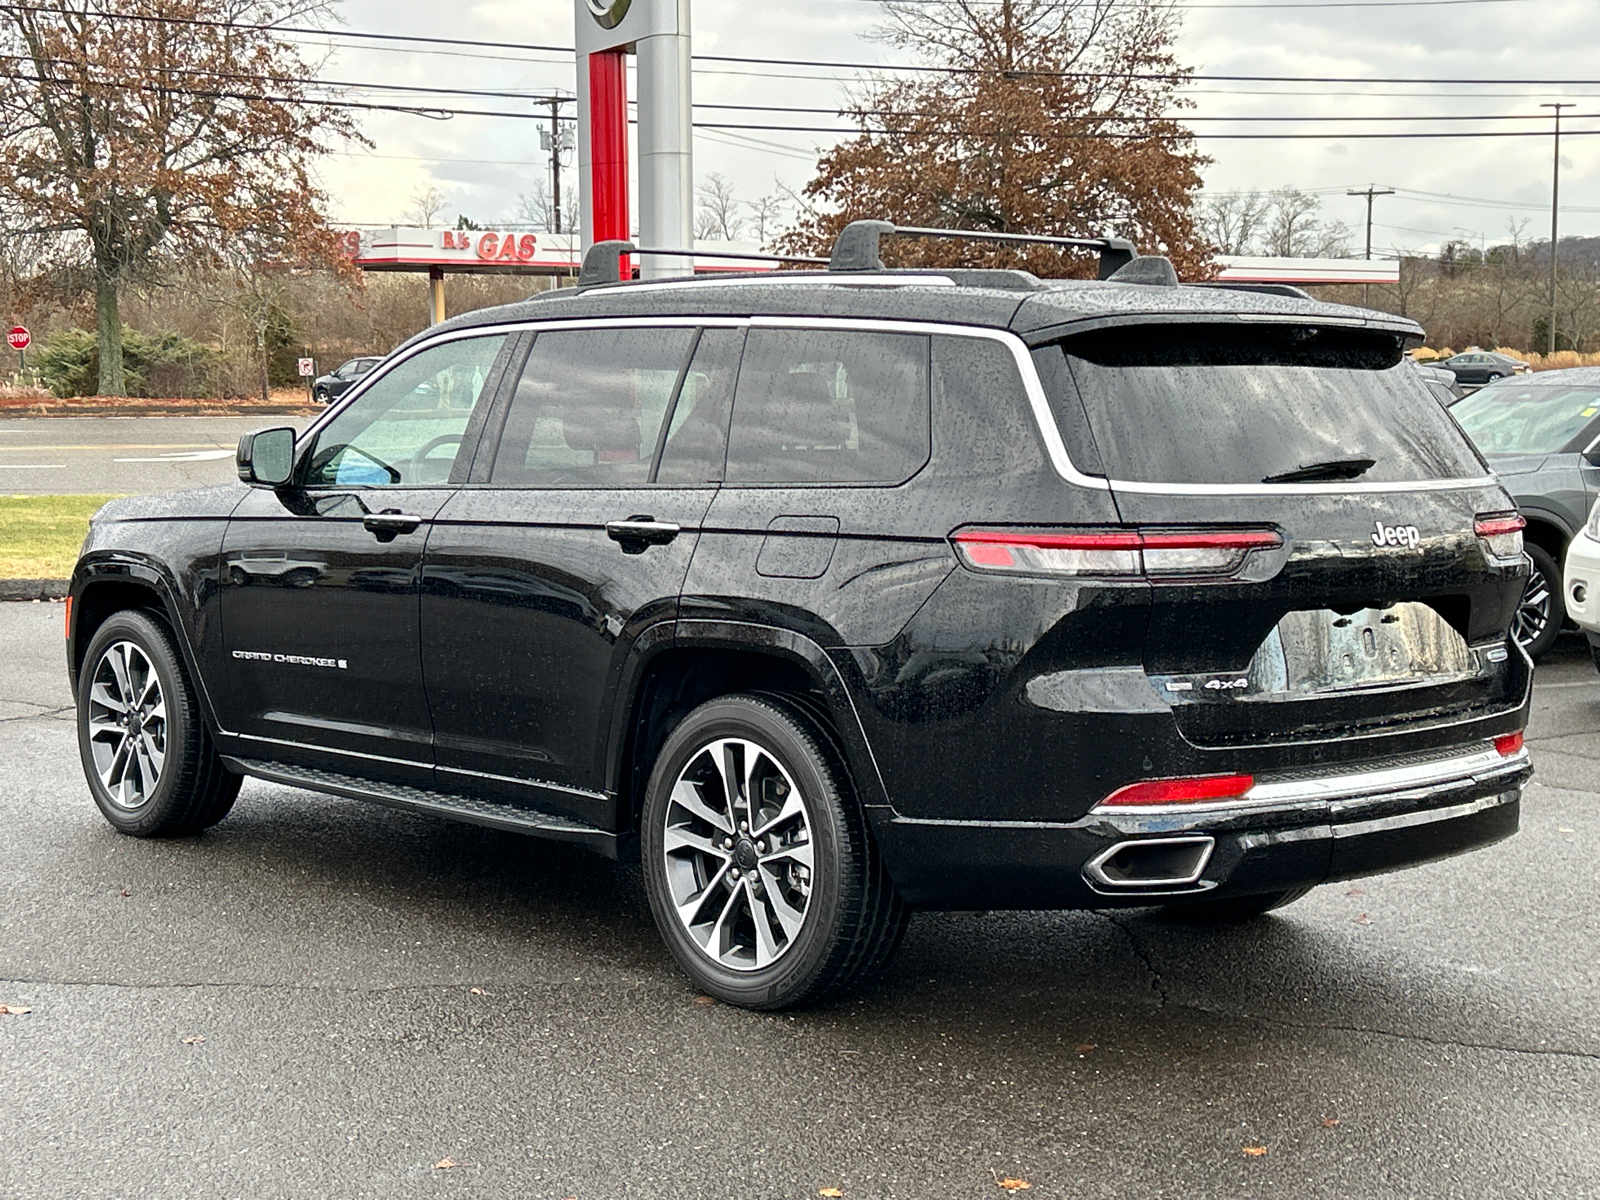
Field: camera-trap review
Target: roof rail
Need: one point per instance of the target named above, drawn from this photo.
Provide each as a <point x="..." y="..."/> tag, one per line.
<point x="857" y="246"/>
<point x="602" y="262"/>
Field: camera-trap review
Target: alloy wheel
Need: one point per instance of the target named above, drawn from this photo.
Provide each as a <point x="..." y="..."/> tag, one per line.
<point x="1533" y="614"/>
<point x="738" y="854"/>
<point x="127" y="724"/>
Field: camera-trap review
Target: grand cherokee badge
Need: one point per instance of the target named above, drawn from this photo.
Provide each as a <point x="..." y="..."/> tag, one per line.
<point x="609" y="12"/>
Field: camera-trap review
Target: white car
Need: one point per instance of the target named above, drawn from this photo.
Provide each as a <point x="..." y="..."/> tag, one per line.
<point x="1581" y="581"/>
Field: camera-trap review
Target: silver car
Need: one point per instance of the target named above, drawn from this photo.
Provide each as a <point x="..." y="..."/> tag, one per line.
<point x="1541" y="434"/>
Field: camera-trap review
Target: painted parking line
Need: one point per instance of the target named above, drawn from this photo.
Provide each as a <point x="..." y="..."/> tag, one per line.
<point x="182" y="456"/>
<point x="115" y="446"/>
<point x="33" y="466"/>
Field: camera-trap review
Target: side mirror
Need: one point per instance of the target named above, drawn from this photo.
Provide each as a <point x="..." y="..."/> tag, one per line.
<point x="266" y="457"/>
<point x="1592" y="456"/>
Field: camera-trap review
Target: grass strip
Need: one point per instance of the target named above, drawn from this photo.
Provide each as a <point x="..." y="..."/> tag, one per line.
<point x="40" y="535"/>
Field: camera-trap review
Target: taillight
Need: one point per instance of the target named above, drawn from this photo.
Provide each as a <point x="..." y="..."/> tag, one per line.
<point x="1193" y="790"/>
<point x="1508" y="743"/>
<point x="1501" y="534"/>
<point x="1114" y="552"/>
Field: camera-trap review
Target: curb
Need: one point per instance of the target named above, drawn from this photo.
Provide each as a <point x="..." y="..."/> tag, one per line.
<point x="34" y="589"/>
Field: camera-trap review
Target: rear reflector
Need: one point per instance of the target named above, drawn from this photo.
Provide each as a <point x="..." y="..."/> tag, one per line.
<point x="1508" y="743"/>
<point x="69" y="618"/>
<point x="1193" y="790"/>
<point x="1117" y="552"/>
<point x="1502" y="534"/>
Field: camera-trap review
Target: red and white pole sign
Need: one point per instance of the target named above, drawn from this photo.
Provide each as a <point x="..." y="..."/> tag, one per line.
<point x="19" y="338"/>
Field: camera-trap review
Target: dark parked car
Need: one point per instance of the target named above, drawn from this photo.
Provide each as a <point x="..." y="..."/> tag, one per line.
<point x="336" y="383"/>
<point x="832" y="595"/>
<point x="1441" y="384"/>
<point x="1477" y="367"/>
<point x="1542" y="436"/>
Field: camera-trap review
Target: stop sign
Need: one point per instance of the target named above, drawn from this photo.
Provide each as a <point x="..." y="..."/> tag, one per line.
<point x="19" y="338"/>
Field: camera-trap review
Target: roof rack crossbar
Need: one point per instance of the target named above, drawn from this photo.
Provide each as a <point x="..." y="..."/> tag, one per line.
<point x="857" y="247"/>
<point x="602" y="262"/>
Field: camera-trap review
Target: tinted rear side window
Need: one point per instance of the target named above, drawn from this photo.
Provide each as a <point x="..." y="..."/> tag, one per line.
<point x="1202" y="404"/>
<point x="827" y="406"/>
<point x="588" y="408"/>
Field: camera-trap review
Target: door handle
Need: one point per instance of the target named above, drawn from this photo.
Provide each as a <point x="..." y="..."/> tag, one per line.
<point x="389" y="523"/>
<point x="637" y="533"/>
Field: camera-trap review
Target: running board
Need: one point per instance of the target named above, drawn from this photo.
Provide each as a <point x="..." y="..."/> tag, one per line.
<point x="509" y="817"/>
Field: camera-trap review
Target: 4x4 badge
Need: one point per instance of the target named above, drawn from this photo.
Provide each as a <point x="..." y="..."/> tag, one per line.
<point x="1396" y="535"/>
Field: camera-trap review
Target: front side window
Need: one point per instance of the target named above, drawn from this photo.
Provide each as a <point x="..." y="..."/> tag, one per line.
<point x="830" y="406"/>
<point x="407" y="427"/>
<point x="589" y="406"/>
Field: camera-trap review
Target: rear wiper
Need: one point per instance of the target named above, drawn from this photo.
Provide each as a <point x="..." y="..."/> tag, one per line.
<point x="1334" y="468"/>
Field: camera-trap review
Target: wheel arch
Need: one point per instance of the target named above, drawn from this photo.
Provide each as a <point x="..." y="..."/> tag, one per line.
<point x="99" y="594"/>
<point x="706" y="659"/>
<point x="1545" y="532"/>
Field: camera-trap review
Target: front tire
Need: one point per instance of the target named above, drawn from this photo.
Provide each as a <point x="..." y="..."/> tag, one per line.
<point x="147" y="756"/>
<point x="1541" y="611"/>
<point x="763" y="878"/>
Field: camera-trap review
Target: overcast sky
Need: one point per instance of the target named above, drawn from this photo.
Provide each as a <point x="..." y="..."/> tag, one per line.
<point x="1456" y="188"/>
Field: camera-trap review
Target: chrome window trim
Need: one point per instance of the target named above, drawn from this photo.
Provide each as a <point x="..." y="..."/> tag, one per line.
<point x="1033" y="386"/>
<point x="1475" y="766"/>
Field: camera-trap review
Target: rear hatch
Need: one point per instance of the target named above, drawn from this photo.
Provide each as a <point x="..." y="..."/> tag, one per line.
<point x="1388" y="597"/>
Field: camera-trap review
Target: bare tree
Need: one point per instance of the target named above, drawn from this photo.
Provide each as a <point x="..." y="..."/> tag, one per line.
<point x="1295" y="228"/>
<point x="717" y="211"/>
<point x="766" y="214"/>
<point x="427" y="202"/>
<point x="1232" y="221"/>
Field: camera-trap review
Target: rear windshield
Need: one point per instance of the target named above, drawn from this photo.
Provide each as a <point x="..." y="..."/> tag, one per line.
<point x="1231" y="405"/>
<point x="1518" y="418"/>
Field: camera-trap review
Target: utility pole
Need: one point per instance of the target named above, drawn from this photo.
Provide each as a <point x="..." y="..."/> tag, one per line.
<point x="1555" y="213"/>
<point x="1371" y="194"/>
<point x="554" y="137"/>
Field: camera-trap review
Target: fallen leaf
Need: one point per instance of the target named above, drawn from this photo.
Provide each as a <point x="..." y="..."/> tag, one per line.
<point x="831" y="1193"/>
<point x="1014" y="1185"/>
<point x="194" y="1039"/>
<point x="1329" y="1122"/>
<point x="1363" y="919"/>
<point x="13" y="1010"/>
<point x="1255" y="1151"/>
<point x="705" y="1000"/>
<point x="477" y="991"/>
<point x="1355" y="892"/>
<point x="127" y="892"/>
<point x="1086" y="1047"/>
<point x="447" y="1164"/>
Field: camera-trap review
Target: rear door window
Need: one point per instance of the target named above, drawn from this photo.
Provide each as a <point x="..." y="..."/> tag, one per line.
<point x="589" y="407"/>
<point x="1228" y="405"/>
<point x="830" y="406"/>
<point x="1515" y="418"/>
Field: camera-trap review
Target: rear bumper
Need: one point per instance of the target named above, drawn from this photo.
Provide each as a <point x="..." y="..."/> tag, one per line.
<point x="1287" y="832"/>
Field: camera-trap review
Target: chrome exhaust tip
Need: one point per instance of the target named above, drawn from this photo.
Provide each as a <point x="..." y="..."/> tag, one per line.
<point x="1151" y="863"/>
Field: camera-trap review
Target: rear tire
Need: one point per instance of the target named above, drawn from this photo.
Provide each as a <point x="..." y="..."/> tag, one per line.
<point x="1237" y="908"/>
<point x="769" y="893"/>
<point x="1541" y="612"/>
<point x="149" y="761"/>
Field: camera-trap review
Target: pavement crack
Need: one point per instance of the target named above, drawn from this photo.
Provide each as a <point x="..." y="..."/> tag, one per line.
<point x="1393" y="1035"/>
<point x="1139" y="952"/>
<point x="34" y="716"/>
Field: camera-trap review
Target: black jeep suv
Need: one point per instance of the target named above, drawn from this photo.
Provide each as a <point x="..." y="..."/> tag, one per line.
<point x="836" y="594"/>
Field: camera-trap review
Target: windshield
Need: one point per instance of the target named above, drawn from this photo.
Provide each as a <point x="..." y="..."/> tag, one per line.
<point x="1231" y="405"/>
<point x="1522" y="418"/>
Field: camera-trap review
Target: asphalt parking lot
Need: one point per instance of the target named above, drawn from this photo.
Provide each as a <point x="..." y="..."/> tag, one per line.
<point x="121" y="455"/>
<point x="323" y="998"/>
